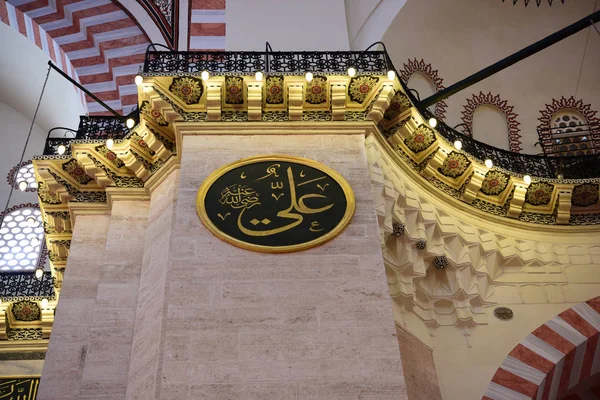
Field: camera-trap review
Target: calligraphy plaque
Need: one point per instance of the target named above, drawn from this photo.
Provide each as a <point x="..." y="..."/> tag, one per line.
<point x="275" y="203"/>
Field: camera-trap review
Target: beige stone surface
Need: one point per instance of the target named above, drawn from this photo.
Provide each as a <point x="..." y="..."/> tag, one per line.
<point x="419" y="368"/>
<point x="315" y="324"/>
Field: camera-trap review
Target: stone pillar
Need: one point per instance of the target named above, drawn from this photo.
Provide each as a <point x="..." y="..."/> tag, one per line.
<point x="88" y="355"/>
<point x="65" y="358"/>
<point x="315" y="324"/>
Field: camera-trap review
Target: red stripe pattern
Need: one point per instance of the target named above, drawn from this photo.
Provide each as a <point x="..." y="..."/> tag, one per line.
<point x="207" y="25"/>
<point x="29" y="28"/>
<point x="554" y="359"/>
<point x="104" y="45"/>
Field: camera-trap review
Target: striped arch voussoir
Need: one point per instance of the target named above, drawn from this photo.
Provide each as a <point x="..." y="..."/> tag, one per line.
<point x="415" y="65"/>
<point x="514" y="132"/>
<point x="554" y="358"/>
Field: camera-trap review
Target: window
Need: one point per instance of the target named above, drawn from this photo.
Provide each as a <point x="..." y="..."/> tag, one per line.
<point x="21" y="239"/>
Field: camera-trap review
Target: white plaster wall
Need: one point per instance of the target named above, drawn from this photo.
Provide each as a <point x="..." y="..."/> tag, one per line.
<point x="461" y="37"/>
<point x="286" y="25"/>
<point x="369" y="19"/>
<point x="14" y="127"/>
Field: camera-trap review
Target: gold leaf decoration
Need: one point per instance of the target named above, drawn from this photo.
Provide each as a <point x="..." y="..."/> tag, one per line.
<point x="585" y="195"/>
<point x="274" y="88"/>
<point x="234" y="90"/>
<point x="454" y="165"/>
<point x="26" y="311"/>
<point x="420" y="140"/>
<point x="110" y="156"/>
<point x="398" y="105"/>
<point x="152" y="113"/>
<point x="187" y="88"/>
<point x="494" y="183"/>
<point x="316" y="90"/>
<point x="539" y="193"/>
<point x="360" y="87"/>
<point x="46" y="195"/>
<point x="76" y="171"/>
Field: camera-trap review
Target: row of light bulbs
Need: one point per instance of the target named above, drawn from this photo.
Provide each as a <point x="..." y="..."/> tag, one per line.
<point x="488" y="162"/>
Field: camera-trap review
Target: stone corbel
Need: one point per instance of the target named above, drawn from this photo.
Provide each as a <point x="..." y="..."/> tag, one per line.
<point x="155" y="145"/>
<point x="563" y="209"/>
<point x="338" y="102"/>
<point x="433" y="164"/>
<point x="473" y="186"/>
<point x="381" y="104"/>
<point x="92" y="170"/>
<point x="295" y="100"/>
<point x="3" y="325"/>
<point x="213" y="101"/>
<point x="133" y="164"/>
<point x="515" y="207"/>
<point x="254" y="92"/>
<point x="47" y="321"/>
<point x="54" y="186"/>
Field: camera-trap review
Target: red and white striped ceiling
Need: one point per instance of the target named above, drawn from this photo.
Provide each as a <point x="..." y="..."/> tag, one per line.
<point x="100" y="44"/>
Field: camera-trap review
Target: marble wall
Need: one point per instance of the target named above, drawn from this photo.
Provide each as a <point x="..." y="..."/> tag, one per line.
<point x="316" y="324"/>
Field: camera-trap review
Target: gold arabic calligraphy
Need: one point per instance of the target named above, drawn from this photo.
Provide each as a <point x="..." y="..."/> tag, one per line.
<point x="243" y="197"/>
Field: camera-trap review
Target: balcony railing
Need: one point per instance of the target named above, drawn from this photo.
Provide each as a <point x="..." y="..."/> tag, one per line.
<point x="90" y="127"/>
<point x="550" y="165"/>
<point x="25" y="286"/>
<point x="249" y="62"/>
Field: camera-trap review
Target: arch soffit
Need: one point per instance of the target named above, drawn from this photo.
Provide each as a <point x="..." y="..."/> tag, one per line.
<point x="555" y="357"/>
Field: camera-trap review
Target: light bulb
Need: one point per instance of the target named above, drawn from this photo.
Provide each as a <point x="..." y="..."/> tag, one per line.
<point x="61" y="149"/>
<point x="458" y="144"/>
<point x="35" y="241"/>
<point x="309" y="76"/>
<point x="432" y="122"/>
<point x="110" y="143"/>
<point x="130" y="122"/>
<point x="138" y="80"/>
<point x="258" y="76"/>
<point x="488" y="163"/>
<point x="527" y="179"/>
<point x="31" y="221"/>
<point x="39" y="273"/>
<point x="44" y="303"/>
<point x="391" y="74"/>
<point x="204" y="75"/>
<point x="23" y="186"/>
<point x="351" y="71"/>
<point x="560" y="176"/>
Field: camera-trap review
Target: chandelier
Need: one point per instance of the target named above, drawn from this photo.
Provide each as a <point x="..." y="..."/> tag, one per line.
<point x="538" y="2"/>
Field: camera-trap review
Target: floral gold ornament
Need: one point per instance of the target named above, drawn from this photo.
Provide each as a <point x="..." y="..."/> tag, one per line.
<point x="420" y="140"/>
<point x="494" y="183"/>
<point x="234" y="90"/>
<point x="454" y="165"/>
<point x="110" y="156"/>
<point x="539" y="193"/>
<point x="360" y="87"/>
<point x="187" y="88"/>
<point x="274" y="90"/>
<point x="398" y="105"/>
<point x="76" y="171"/>
<point x="316" y="90"/>
<point x="275" y="203"/>
<point x="46" y="195"/>
<point x="26" y="311"/>
<point x="155" y="115"/>
<point x="585" y="195"/>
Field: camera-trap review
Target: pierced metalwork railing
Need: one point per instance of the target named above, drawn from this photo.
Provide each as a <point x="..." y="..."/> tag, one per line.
<point x="90" y="127"/>
<point x="25" y="286"/>
<point x="249" y="62"/>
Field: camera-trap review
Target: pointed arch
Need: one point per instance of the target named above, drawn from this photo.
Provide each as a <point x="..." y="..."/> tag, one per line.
<point x="419" y="66"/>
<point x="514" y="132"/>
<point x="554" y="358"/>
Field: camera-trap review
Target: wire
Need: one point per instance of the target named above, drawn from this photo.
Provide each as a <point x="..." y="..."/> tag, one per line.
<point x="26" y="142"/>
<point x="584" y="51"/>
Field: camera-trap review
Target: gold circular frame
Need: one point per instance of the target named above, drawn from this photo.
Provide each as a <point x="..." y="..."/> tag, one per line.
<point x="208" y="182"/>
